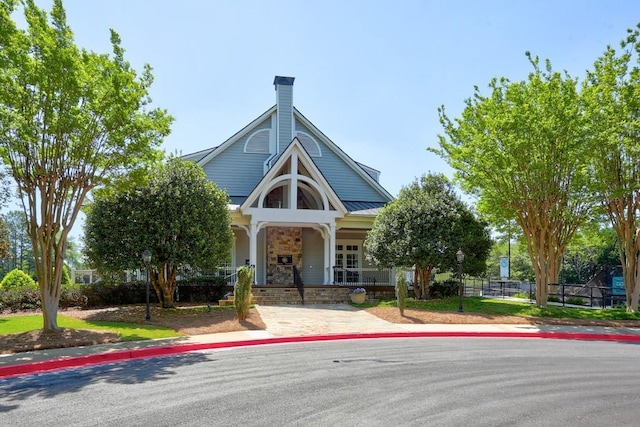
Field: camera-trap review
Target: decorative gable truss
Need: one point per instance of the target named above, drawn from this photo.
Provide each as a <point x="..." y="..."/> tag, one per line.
<point x="295" y="183"/>
<point x="293" y="193"/>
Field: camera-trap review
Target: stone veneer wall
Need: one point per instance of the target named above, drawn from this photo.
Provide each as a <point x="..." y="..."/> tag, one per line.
<point x="283" y="241"/>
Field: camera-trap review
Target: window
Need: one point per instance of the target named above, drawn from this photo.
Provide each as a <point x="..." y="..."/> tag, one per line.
<point x="258" y="143"/>
<point x="309" y="144"/>
<point x="348" y="256"/>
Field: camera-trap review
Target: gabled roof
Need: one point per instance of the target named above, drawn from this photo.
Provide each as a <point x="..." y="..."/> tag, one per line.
<point x="242" y="132"/>
<point x="195" y="157"/>
<point x="205" y="156"/>
<point x="312" y="169"/>
<point x="344" y="156"/>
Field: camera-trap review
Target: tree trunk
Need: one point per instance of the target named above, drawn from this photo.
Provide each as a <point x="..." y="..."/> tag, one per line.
<point x="546" y="240"/>
<point x="50" y="284"/>
<point x="166" y="285"/>
<point x="49" y="312"/>
<point x="49" y="252"/>
<point x="635" y="295"/>
<point x="622" y="213"/>
<point x="630" y="270"/>
<point x="422" y="275"/>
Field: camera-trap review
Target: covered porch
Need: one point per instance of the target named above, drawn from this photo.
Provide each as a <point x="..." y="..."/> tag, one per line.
<point x="321" y="255"/>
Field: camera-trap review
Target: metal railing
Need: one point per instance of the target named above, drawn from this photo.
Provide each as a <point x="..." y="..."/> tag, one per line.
<point x="508" y="288"/>
<point x="362" y="276"/>
<point x="565" y="294"/>
<point x="597" y="296"/>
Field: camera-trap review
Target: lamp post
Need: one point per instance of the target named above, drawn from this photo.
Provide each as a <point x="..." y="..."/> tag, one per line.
<point x="146" y="257"/>
<point x="460" y="258"/>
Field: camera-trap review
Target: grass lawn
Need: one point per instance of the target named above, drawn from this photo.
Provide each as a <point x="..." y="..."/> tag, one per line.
<point x="127" y="331"/>
<point x="512" y="308"/>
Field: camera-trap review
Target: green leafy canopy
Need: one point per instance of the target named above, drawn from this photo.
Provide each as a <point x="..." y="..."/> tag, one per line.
<point x="425" y="226"/>
<point x="179" y="215"/>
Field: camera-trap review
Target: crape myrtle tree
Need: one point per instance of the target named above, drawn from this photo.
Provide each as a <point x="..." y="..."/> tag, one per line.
<point x="612" y="106"/>
<point x="423" y="229"/>
<point x="179" y="215"/>
<point x="70" y="120"/>
<point x="521" y="150"/>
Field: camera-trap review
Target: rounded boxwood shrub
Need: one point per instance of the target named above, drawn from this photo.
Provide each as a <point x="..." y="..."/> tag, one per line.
<point x="17" y="280"/>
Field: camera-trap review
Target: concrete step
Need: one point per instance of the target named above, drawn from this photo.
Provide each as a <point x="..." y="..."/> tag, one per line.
<point x="319" y="294"/>
<point x="230" y="300"/>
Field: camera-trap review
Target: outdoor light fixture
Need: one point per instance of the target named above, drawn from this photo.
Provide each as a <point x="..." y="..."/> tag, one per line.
<point x="146" y="257"/>
<point x="460" y="258"/>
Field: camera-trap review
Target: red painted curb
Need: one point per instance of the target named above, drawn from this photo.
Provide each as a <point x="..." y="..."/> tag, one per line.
<point x="117" y="356"/>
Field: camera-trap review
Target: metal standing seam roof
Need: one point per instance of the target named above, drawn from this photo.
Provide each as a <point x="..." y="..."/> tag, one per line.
<point x="353" y="207"/>
<point x="363" y="208"/>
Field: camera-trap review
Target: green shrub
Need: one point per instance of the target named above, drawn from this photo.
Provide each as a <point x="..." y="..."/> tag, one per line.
<point x="525" y="295"/>
<point x="66" y="277"/>
<point x="71" y="296"/>
<point x="203" y="289"/>
<point x="401" y="292"/>
<point x="575" y="301"/>
<point x="100" y="294"/>
<point x="444" y="289"/>
<point x="19" y="300"/>
<point x="17" y="280"/>
<point x="242" y="291"/>
<point x="553" y="298"/>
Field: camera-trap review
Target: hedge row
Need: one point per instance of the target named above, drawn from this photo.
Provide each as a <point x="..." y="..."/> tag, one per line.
<point x="105" y="294"/>
<point x="29" y="299"/>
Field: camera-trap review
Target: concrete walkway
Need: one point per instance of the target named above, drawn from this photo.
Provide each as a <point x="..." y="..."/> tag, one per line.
<point x="292" y="323"/>
<point x="300" y="320"/>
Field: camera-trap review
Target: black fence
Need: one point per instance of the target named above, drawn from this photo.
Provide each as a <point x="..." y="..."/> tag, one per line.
<point x="592" y="296"/>
<point x="565" y="294"/>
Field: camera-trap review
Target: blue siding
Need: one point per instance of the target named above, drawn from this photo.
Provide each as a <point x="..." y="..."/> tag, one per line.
<point x="347" y="184"/>
<point x="236" y="171"/>
<point x="285" y="115"/>
<point x="242" y="247"/>
<point x="312" y="271"/>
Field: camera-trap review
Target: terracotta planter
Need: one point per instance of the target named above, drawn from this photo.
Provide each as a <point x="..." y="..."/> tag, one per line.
<point x="358" y="298"/>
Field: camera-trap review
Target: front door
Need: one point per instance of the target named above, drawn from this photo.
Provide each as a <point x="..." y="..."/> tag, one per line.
<point x="348" y="261"/>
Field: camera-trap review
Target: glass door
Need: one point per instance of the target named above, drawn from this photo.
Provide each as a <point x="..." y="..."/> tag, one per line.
<point x="347" y="262"/>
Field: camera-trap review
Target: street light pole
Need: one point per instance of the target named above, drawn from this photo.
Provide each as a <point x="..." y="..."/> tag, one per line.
<point x="146" y="257"/>
<point x="460" y="258"/>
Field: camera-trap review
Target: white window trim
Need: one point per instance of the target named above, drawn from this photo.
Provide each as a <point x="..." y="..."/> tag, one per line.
<point x="267" y="145"/>
<point x="312" y="140"/>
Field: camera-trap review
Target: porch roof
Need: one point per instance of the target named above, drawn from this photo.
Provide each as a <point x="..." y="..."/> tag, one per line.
<point x="353" y="207"/>
<point x="363" y="208"/>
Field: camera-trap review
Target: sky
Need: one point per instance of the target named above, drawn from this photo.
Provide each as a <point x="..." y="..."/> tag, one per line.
<point x="369" y="74"/>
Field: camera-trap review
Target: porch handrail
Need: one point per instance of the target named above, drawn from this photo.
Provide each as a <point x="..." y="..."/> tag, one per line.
<point x="297" y="279"/>
<point x="354" y="276"/>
